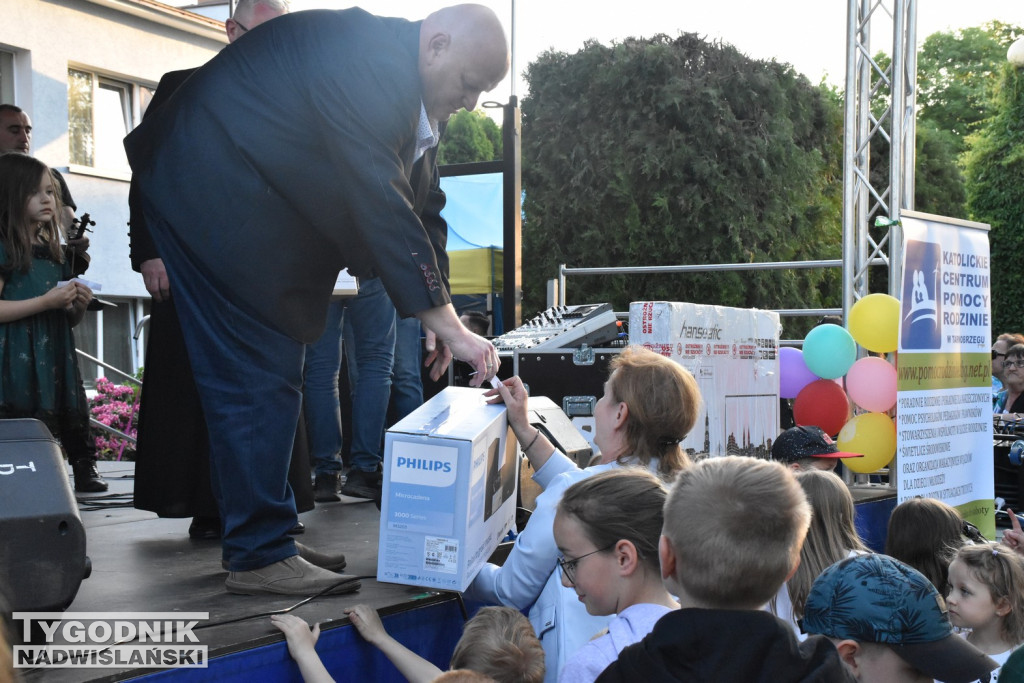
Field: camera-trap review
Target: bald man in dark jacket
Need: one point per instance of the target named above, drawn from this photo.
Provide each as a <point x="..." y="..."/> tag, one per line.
<point x="286" y="158"/>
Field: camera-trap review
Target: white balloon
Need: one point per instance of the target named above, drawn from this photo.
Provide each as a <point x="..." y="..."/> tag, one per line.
<point x="1015" y="55"/>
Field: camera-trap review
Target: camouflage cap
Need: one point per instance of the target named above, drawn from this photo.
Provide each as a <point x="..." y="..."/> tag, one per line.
<point x="875" y="599"/>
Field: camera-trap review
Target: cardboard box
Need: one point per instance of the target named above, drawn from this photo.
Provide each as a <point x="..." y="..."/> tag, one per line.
<point x="449" y="491"/>
<point x="733" y="354"/>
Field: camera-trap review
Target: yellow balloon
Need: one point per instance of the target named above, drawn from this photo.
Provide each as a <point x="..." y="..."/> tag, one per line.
<point x="872" y="434"/>
<point x="874" y="322"/>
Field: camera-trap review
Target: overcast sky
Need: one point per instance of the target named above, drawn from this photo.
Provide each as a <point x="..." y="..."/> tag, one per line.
<point x="809" y="34"/>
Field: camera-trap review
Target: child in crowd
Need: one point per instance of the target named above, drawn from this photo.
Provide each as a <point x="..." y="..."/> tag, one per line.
<point x="498" y="642"/>
<point x="986" y="596"/>
<point x="732" y="536"/>
<point x="831" y="537"/>
<point x="39" y="375"/>
<point x="808" y="448"/>
<point x="889" y="624"/>
<point x="926" y="533"/>
<point x="607" y="529"/>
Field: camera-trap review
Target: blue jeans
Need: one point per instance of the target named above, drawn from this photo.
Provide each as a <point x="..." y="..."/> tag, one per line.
<point x="406" y="381"/>
<point x="248" y="376"/>
<point x="320" y="391"/>
<point x="369" y="329"/>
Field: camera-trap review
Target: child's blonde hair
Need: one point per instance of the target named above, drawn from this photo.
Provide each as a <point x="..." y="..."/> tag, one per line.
<point x="735" y="525"/>
<point x="831" y="536"/>
<point x="500" y="642"/>
<point x="1002" y="570"/>
<point x="623" y="504"/>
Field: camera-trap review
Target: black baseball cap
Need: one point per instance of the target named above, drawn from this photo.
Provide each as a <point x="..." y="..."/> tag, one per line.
<point x="808" y="441"/>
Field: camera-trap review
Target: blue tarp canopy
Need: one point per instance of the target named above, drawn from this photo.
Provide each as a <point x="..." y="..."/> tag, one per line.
<point x="473" y="211"/>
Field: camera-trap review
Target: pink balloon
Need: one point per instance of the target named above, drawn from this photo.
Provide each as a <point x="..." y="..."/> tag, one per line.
<point x="871" y="384"/>
<point x="793" y="372"/>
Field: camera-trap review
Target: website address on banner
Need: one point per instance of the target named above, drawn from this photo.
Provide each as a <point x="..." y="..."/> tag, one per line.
<point x="925" y="373"/>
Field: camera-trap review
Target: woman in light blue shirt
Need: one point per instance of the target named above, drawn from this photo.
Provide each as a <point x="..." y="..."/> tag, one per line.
<point x="649" y="405"/>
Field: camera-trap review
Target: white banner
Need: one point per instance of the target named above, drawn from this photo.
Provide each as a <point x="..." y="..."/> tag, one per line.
<point x="944" y="406"/>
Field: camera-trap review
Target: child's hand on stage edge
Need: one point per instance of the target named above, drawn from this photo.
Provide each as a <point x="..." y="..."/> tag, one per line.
<point x="301" y="640"/>
<point x="367" y="622"/>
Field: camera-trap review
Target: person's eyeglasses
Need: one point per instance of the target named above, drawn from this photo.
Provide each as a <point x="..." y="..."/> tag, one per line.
<point x="569" y="566"/>
<point x="240" y="25"/>
<point x="996" y="354"/>
<point x="1014" y="363"/>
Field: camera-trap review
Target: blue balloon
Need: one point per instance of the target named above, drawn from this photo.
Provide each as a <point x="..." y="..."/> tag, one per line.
<point x="829" y="351"/>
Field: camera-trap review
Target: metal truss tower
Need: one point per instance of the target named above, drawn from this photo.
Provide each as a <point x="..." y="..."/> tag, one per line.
<point x="879" y="108"/>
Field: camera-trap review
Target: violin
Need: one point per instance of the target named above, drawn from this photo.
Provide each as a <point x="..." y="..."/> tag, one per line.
<point x="79" y="260"/>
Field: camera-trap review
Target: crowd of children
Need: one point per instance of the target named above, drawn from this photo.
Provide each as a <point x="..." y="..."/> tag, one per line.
<point x="688" y="571"/>
<point x="736" y="569"/>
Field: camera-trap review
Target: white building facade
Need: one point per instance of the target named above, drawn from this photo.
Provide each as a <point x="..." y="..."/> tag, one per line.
<point x="84" y="71"/>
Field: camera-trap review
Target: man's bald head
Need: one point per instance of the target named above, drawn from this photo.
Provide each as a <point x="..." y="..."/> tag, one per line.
<point x="251" y="13"/>
<point x="463" y="53"/>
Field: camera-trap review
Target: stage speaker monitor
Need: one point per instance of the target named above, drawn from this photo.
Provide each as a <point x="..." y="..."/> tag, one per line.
<point x="42" y="539"/>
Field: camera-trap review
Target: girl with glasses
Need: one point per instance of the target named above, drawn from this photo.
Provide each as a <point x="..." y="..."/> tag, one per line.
<point x="619" y="512"/>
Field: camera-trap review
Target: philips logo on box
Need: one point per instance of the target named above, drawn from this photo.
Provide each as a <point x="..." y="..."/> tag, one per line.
<point x="424" y="464"/>
<point x="431" y="465"/>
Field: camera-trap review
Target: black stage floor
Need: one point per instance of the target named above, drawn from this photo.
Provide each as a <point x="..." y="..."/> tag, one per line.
<point x="141" y="563"/>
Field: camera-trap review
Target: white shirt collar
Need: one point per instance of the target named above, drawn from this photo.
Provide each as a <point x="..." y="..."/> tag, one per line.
<point x="427" y="135"/>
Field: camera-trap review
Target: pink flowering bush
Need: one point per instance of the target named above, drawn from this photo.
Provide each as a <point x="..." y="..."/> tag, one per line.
<point x="117" y="406"/>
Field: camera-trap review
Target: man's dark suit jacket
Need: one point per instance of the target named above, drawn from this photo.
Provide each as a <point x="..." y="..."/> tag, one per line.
<point x="141" y="245"/>
<point x="289" y="156"/>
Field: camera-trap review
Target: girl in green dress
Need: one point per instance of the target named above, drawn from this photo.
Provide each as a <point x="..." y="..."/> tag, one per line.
<point x="39" y="375"/>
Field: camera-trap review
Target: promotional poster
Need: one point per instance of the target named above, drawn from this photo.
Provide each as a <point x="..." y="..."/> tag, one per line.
<point x="944" y="368"/>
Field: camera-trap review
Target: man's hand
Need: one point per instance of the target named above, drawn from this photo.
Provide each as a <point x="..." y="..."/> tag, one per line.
<point x="438" y="357"/>
<point x="460" y="343"/>
<point x="80" y="245"/>
<point x="155" y="276"/>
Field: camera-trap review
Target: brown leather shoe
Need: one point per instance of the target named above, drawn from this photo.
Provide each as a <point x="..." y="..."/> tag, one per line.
<point x="333" y="563"/>
<point x="290" y="576"/>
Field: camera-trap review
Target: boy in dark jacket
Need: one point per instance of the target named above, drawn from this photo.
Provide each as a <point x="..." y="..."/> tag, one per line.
<point x="732" y="536"/>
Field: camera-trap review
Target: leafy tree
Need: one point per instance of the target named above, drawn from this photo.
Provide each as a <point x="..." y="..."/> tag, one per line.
<point x="938" y="180"/>
<point x="995" y="195"/>
<point x="957" y="73"/>
<point x="668" y="151"/>
<point x="470" y="136"/>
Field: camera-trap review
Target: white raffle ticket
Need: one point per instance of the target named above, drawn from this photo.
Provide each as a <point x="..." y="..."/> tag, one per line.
<point x="94" y="286"/>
